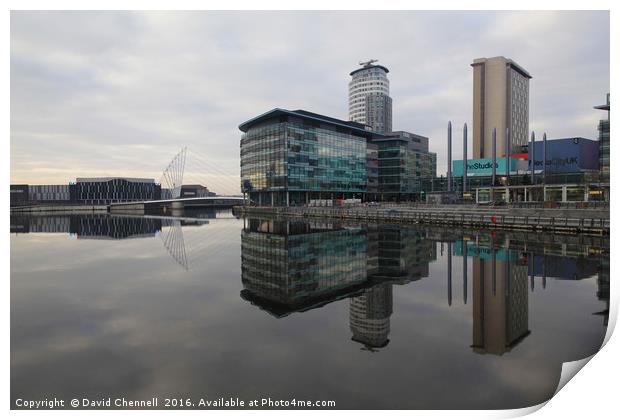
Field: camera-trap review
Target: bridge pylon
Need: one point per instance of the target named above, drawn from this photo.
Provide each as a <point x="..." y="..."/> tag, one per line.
<point x="172" y="177"/>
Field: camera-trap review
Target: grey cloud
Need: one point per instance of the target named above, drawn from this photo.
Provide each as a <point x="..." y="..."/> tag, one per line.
<point x="121" y="92"/>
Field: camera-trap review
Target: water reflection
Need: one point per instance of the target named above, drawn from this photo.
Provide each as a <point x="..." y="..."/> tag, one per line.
<point x="602" y="293"/>
<point x="470" y="319"/>
<point x="116" y="227"/>
<point x="295" y="266"/>
<point x="500" y="302"/>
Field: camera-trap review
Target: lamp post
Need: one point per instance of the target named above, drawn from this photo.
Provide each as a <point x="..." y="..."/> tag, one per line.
<point x="449" y="156"/>
<point x="533" y="157"/>
<point x="494" y="139"/>
<point x="544" y="158"/>
<point x="464" y="158"/>
<point x="507" y="154"/>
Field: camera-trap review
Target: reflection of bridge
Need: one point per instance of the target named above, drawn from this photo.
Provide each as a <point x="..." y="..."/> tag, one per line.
<point x="182" y="237"/>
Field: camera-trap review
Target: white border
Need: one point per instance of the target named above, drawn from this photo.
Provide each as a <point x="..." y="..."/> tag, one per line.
<point x="592" y="394"/>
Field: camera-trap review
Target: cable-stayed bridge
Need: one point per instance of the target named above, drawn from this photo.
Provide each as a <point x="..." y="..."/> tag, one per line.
<point x="190" y="168"/>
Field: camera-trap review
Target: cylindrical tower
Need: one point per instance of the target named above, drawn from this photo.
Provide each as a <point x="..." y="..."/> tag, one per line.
<point x="369" y="97"/>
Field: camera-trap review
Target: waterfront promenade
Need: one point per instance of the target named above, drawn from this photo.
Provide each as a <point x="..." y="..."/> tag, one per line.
<point x="562" y="220"/>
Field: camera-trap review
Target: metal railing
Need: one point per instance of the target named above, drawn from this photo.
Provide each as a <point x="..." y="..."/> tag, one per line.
<point x="464" y="217"/>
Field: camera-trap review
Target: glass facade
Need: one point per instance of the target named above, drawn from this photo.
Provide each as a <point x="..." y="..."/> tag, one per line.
<point x="603" y="138"/>
<point x="292" y="266"/>
<point x="402" y="169"/>
<point x="603" y="151"/>
<point x="295" y="157"/>
<point x="292" y="159"/>
<point x="37" y="193"/>
<point x="114" y="190"/>
<point x="89" y="226"/>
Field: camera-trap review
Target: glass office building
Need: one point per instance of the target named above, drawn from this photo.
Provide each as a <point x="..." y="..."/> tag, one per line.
<point x="294" y="157"/>
<point x="603" y="139"/>
<point x="297" y="157"/>
<point x="404" y="161"/>
<point x="114" y="190"/>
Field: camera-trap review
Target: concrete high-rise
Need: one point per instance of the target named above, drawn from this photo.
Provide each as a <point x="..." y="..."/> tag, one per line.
<point x="369" y="97"/>
<point x="501" y="100"/>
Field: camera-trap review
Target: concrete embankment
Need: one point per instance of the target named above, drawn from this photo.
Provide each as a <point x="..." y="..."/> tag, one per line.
<point x="588" y="221"/>
<point x="59" y="209"/>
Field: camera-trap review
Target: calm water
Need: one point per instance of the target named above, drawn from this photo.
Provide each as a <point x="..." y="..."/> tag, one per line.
<point x="367" y="316"/>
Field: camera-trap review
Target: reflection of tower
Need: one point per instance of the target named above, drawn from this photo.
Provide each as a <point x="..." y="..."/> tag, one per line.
<point x="369" y="316"/>
<point x="464" y="245"/>
<point x="500" y="307"/>
<point x="395" y="255"/>
<point x="450" y="273"/>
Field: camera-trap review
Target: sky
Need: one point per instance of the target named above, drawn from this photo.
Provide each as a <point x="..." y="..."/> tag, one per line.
<point x="107" y="93"/>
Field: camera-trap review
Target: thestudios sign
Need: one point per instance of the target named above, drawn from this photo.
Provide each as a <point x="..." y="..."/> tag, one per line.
<point x="485" y="166"/>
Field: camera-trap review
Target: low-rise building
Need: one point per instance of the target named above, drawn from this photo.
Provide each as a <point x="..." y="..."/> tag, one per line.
<point x="194" y="191"/>
<point x="563" y="156"/>
<point x="114" y="190"/>
<point x="49" y="193"/>
<point x="19" y="194"/>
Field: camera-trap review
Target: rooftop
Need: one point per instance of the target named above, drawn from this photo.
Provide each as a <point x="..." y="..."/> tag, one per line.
<point x="508" y="61"/>
<point x="110" y="178"/>
<point x="385" y="69"/>
<point x="307" y="115"/>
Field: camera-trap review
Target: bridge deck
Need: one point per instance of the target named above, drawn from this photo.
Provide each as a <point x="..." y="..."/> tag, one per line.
<point x="190" y="200"/>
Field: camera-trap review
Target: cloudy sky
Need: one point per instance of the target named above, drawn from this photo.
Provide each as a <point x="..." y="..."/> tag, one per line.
<point x="119" y="93"/>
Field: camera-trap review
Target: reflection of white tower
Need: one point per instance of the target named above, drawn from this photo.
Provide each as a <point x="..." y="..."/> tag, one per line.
<point x="369" y="316"/>
<point x="369" y="97"/>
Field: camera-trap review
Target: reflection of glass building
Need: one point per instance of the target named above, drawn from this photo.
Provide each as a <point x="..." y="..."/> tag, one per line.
<point x="402" y="253"/>
<point x="294" y="266"/>
<point x="500" y="303"/>
<point x="574" y="268"/>
<point x="40" y="224"/>
<point x="106" y="227"/>
<point x="91" y="226"/>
